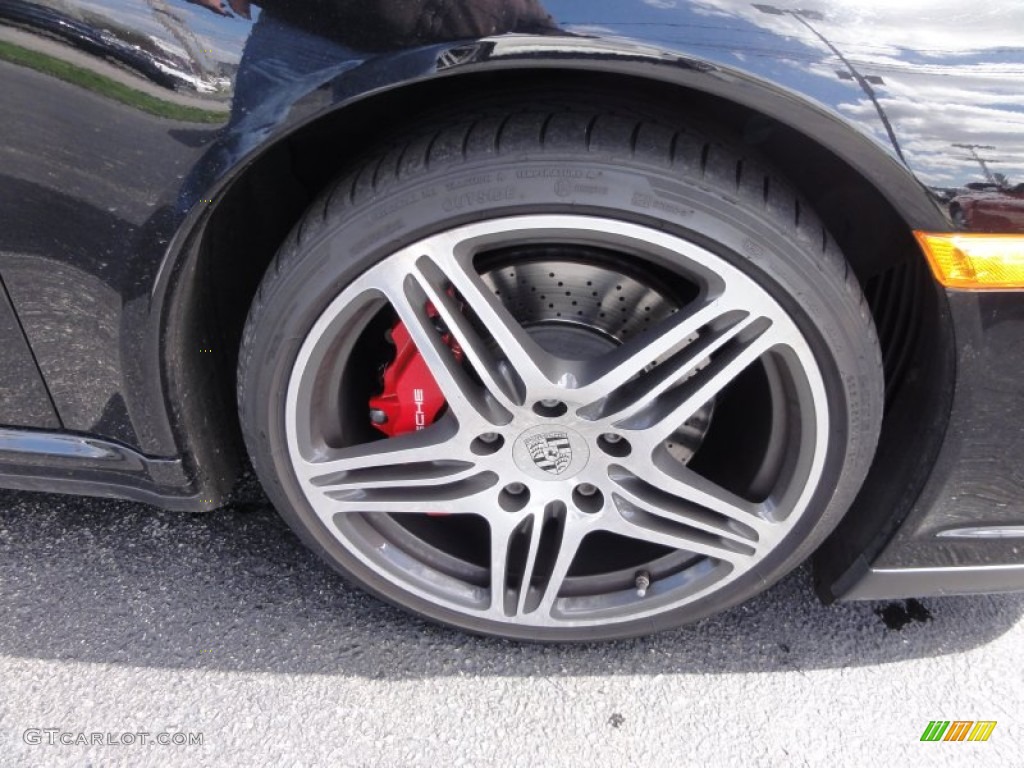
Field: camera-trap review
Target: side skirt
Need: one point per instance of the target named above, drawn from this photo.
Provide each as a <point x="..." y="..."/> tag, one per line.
<point x="59" y="462"/>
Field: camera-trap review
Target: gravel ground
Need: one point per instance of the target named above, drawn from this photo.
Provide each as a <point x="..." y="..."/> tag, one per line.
<point x="117" y="617"/>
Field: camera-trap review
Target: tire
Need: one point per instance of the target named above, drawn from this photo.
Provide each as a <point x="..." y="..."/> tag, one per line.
<point x="718" y="418"/>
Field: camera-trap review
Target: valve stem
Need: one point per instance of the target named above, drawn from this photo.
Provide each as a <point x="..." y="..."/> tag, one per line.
<point x="643" y="581"/>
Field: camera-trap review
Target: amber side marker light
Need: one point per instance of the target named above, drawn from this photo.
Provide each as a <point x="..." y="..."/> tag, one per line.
<point x="979" y="262"/>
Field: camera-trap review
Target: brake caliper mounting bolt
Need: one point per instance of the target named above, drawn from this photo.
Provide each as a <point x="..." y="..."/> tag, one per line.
<point x="586" y="489"/>
<point x="643" y="581"/>
<point x="377" y="416"/>
<point x="515" y="488"/>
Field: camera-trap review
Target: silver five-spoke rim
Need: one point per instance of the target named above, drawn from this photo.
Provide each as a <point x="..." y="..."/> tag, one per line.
<point x="603" y="427"/>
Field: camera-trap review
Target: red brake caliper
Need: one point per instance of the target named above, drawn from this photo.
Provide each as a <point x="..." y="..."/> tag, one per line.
<point x="410" y="399"/>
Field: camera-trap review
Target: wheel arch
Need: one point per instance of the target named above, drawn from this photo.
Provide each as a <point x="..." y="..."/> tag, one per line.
<point x="866" y="196"/>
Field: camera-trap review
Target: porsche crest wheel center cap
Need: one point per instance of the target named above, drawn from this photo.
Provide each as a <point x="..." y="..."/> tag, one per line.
<point x="550" y="452"/>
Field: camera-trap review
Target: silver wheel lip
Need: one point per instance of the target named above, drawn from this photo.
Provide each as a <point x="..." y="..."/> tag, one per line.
<point x="563" y="228"/>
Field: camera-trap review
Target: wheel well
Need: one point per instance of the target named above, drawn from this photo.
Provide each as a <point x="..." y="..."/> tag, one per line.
<point x="257" y="211"/>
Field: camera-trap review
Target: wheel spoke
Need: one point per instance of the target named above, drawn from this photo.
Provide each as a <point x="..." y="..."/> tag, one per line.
<point x="545" y="550"/>
<point x="665" y="414"/>
<point x="535" y="533"/>
<point x="472" y="495"/>
<point x="518" y="368"/>
<point x="421" y="489"/>
<point x="425" y="474"/>
<point x="506" y="593"/>
<point x="608" y="373"/>
<point x="738" y="522"/>
<point x="637" y="522"/>
<point x="662" y="474"/>
<point x="463" y="396"/>
<point x="333" y="465"/>
<point x="547" y="591"/>
<point x="629" y="388"/>
<point x="400" y="474"/>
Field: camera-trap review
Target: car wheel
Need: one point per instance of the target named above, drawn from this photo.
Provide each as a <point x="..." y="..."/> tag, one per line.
<point x="556" y="373"/>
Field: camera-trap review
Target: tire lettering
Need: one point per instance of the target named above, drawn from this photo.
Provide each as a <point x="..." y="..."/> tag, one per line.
<point x="481" y="197"/>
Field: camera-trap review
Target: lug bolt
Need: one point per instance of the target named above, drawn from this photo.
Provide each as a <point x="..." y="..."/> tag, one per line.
<point x="549" y="403"/>
<point x="377" y="416"/>
<point x="515" y="488"/>
<point x="489" y="437"/>
<point x="586" y="489"/>
<point x="614" y="444"/>
<point x="643" y="581"/>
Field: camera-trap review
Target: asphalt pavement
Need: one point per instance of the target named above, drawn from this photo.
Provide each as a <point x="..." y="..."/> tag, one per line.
<point x="116" y="618"/>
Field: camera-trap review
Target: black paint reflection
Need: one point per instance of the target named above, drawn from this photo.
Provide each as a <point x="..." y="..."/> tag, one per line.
<point x="119" y="118"/>
<point x="294" y="49"/>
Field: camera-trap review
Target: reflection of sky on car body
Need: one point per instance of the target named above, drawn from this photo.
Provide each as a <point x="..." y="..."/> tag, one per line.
<point x="879" y="27"/>
<point x="728" y="39"/>
<point x="943" y="83"/>
<point x="225" y="35"/>
<point x="789" y="55"/>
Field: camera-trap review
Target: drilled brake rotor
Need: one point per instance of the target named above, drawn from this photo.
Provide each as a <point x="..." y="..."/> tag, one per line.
<point x="580" y="310"/>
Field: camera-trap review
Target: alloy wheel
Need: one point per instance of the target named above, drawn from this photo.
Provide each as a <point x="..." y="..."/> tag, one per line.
<point x="631" y="424"/>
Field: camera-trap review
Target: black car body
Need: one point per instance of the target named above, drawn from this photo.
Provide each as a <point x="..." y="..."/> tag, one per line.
<point x="154" y="154"/>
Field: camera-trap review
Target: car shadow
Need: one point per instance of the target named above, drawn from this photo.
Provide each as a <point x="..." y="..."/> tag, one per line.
<point x="95" y="580"/>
